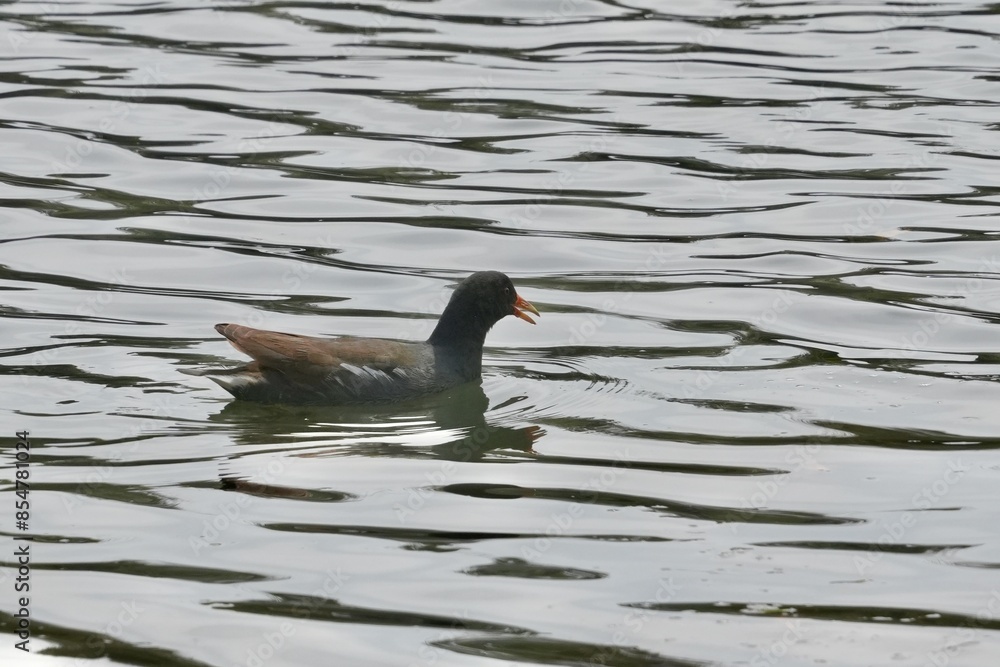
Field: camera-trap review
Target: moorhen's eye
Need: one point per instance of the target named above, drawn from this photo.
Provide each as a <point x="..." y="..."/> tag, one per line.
<point x="506" y="290"/>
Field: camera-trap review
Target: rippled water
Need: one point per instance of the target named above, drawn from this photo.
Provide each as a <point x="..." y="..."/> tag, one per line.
<point x="756" y="424"/>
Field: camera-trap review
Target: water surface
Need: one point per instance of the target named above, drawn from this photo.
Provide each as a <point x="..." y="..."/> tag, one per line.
<point x="755" y="425"/>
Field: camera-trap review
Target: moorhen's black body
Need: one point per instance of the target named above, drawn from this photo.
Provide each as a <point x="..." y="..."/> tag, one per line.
<point x="287" y="368"/>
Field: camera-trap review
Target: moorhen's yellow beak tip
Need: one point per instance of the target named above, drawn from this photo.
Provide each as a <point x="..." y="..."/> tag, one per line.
<point x="520" y="305"/>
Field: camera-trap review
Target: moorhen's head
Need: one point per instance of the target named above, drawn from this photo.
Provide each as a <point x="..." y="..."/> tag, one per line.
<point x="479" y="302"/>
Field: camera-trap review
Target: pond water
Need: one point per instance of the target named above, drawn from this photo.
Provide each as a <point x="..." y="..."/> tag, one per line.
<point x="756" y="423"/>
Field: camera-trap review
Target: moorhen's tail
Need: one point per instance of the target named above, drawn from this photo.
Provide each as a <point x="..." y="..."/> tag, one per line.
<point x="237" y="381"/>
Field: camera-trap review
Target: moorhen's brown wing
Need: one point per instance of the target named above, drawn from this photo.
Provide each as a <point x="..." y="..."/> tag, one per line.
<point x="289" y="367"/>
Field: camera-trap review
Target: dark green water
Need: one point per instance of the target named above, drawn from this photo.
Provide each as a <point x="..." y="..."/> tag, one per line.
<point x="756" y="423"/>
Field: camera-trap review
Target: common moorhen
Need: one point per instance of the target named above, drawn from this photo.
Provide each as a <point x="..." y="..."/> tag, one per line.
<point x="288" y="368"/>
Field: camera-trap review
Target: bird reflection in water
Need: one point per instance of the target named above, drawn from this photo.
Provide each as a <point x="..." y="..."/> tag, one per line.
<point x="450" y="426"/>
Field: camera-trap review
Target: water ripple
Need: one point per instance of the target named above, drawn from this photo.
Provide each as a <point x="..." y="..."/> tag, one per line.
<point x="761" y="392"/>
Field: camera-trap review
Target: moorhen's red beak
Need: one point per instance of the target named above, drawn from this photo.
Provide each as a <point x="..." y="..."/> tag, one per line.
<point x="520" y="306"/>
